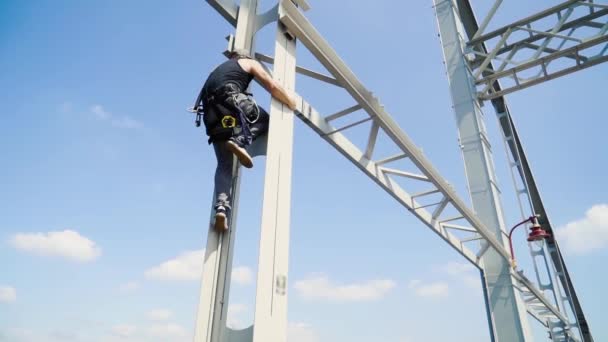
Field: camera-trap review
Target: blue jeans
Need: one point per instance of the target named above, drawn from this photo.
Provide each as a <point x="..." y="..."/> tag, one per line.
<point x="225" y="161"/>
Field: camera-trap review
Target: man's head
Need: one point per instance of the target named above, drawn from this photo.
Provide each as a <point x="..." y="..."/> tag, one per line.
<point x="239" y="53"/>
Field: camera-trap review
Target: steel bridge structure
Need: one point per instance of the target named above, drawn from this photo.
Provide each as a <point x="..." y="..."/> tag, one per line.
<point x="482" y="67"/>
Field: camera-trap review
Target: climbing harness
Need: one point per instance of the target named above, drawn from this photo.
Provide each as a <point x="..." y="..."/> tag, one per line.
<point x="226" y="112"/>
<point x="228" y="121"/>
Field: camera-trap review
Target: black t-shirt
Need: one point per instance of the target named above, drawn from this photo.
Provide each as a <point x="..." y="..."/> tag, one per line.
<point x="229" y="71"/>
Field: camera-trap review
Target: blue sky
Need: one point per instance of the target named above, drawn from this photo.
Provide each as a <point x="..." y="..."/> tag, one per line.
<point x="106" y="183"/>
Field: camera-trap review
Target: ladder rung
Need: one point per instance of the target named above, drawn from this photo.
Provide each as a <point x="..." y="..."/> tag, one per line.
<point x="391" y="159"/>
<point x="404" y="174"/>
<point x="348" y="126"/>
<point x="425" y="193"/>
<point x="459" y="227"/>
<point x="453" y="218"/>
<point x="343" y="112"/>
<point x="427" y="205"/>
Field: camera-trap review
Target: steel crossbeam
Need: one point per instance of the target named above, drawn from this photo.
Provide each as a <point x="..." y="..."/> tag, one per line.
<point x="445" y="213"/>
<point x="299" y="26"/>
<point x="304" y="31"/>
<point x="439" y="225"/>
<point x="529" y="51"/>
<point x="477" y="41"/>
<point x="377" y="173"/>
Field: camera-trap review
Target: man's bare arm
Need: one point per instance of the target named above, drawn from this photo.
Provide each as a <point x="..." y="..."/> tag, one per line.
<point x="276" y="90"/>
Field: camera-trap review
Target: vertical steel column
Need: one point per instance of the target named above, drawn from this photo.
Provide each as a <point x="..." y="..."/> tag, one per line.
<point x="270" y="324"/>
<point x="217" y="268"/>
<point x="508" y="321"/>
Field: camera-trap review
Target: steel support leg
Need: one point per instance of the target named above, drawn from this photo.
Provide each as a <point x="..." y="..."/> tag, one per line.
<point x="508" y="321"/>
<point x="270" y="323"/>
<point x="215" y="281"/>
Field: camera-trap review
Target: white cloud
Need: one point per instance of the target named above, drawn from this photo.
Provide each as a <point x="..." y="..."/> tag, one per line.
<point x="186" y="266"/>
<point x="128" y="287"/>
<point x="60" y="335"/>
<point x="18" y="335"/>
<point x="464" y="272"/>
<point x="7" y="294"/>
<point x="66" y="107"/>
<point x="429" y="290"/>
<point x="124" y="330"/>
<point x="588" y="233"/>
<point x="100" y="113"/>
<point x="189" y="266"/>
<point x="301" y="332"/>
<point x="242" y="275"/>
<point x="233" y="319"/>
<point x="159" y="314"/>
<point x="126" y="122"/>
<point x="321" y="287"/>
<point x="123" y="122"/>
<point x="168" y="331"/>
<point x="68" y="244"/>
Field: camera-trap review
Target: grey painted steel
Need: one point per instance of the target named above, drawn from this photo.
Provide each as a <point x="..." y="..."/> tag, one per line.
<point x="508" y="312"/>
<point x="519" y="156"/>
<point x="529" y="60"/>
<point x="373" y="170"/>
<point x="308" y="36"/>
<point x="431" y="214"/>
<point x="215" y="280"/>
<point x="270" y="322"/>
<point x="533" y="196"/>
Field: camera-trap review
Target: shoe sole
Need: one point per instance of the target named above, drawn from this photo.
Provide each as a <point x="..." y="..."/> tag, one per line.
<point x="220" y="222"/>
<point x="241" y="154"/>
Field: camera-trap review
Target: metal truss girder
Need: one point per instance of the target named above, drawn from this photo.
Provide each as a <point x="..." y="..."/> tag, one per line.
<point x="582" y="21"/>
<point x="506" y="312"/>
<point x="299" y="26"/>
<point x="315" y="121"/>
<point x="569" y="16"/>
<point x="523" y="22"/>
<point x="573" y="53"/>
<point x="229" y="12"/>
<point x="503" y="113"/>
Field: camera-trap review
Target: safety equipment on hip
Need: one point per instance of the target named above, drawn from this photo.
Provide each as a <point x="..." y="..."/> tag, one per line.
<point x="228" y="121"/>
<point x="227" y="112"/>
<point x="247" y="104"/>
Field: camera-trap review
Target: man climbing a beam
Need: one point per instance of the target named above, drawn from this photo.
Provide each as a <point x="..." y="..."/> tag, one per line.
<point x="233" y="120"/>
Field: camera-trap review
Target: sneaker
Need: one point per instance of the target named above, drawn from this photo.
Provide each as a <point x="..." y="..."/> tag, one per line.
<point x="221" y="219"/>
<point x="240" y="153"/>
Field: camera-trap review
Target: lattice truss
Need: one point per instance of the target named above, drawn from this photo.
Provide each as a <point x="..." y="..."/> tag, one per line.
<point x="555" y="42"/>
<point x="405" y="174"/>
<point x="568" y="37"/>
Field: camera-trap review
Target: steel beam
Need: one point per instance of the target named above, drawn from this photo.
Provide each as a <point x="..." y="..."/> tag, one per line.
<point x="507" y="311"/>
<point x="518" y="154"/>
<point x="272" y="284"/>
<point x="575" y="22"/>
<point x="582" y="62"/>
<point x="309" y="37"/>
<point x="270" y="322"/>
<point x="215" y="281"/>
